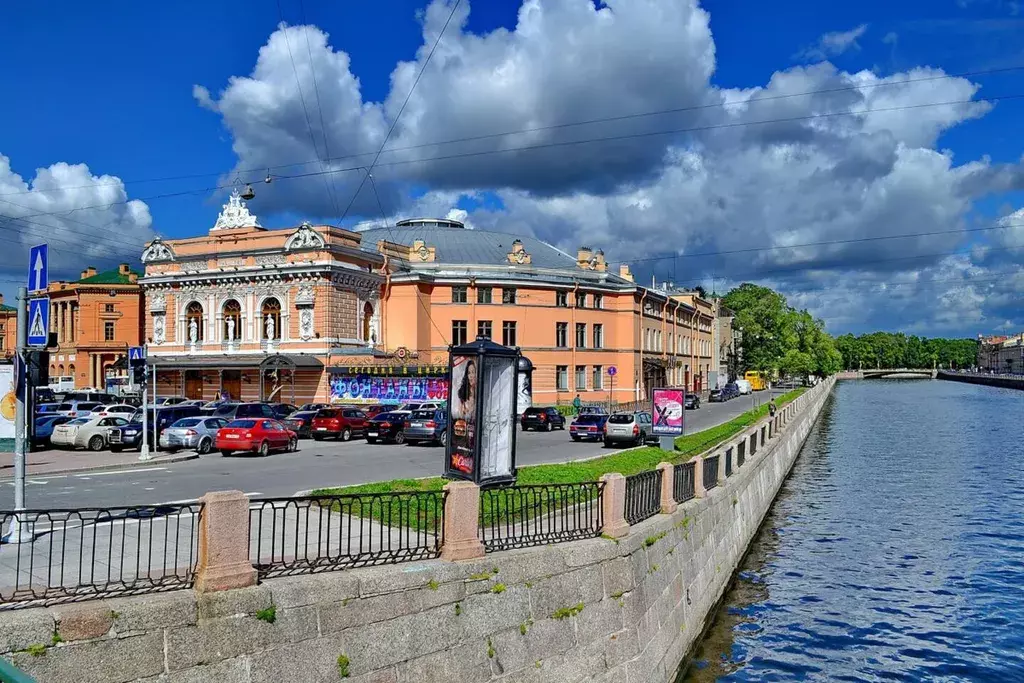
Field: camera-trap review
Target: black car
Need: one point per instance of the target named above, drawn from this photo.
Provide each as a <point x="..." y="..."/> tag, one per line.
<point x="282" y="410"/>
<point x="717" y="396"/>
<point x="237" y="411"/>
<point x="732" y="390"/>
<point x="542" y="419"/>
<point x="692" y="401"/>
<point x="299" y="422"/>
<point x="159" y="419"/>
<point x="386" y="427"/>
<point x="588" y="426"/>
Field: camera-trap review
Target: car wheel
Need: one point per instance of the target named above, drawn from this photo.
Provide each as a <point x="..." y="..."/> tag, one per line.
<point x="226" y="453"/>
<point x="345" y="434"/>
<point x="116" y="449"/>
<point x="371" y="440"/>
<point x="264" y="450"/>
<point x="607" y="443"/>
<point x="96" y="443"/>
<point x="205" y="446"/>
<point x="400" y="438"/>
<point x="293" y="445"/>
<point x="318" y="437"/>
<point x="443" y="439"/>
<point x="547" y="426"/>
<point x="574" y="437"/>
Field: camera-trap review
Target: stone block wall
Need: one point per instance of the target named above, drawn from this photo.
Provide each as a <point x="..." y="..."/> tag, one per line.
<point x="594" y="610"/>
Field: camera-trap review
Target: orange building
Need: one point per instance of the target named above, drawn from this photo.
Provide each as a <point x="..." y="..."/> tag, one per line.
<point x="96" y="319"/>
<point x="8" y="330"/>
<point x="256" y="314"/>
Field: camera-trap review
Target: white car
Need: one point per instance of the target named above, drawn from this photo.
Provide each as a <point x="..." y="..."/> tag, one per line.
<point x="116" y="409"/>
<point x="744" y="386"/>
<point x="90" y="431"/>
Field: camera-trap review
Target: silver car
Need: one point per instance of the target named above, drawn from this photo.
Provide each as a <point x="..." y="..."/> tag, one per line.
<point x="89" y="431"/>
<point x="628" y="428"/>
<point x="197" y="433"/>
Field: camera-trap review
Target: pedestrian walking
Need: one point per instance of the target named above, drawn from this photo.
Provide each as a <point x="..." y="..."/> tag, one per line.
<point x="576" y="404"/>
<point x="771" y="407"/>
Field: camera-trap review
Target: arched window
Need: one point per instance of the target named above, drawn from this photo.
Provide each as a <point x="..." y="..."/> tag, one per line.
<point x="194" y="322"/>
<point x="71" y="370"/>
<point x="60" y="370"/>
<point x="270" y="319"/>
<point x="232" y="321"/>
<point x="367" y="319"/>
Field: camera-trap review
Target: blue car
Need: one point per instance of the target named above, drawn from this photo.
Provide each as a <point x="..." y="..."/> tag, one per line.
<point x="426" y="426"/>
<point x="46" y="409"/>
<point x="44" y="428"/>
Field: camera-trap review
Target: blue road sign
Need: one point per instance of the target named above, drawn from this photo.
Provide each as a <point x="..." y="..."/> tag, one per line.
<point x="612" y="370"/>
<point x="38" y="278"/>
<point x="39" y="321"/>
<point x="136" y="354"/>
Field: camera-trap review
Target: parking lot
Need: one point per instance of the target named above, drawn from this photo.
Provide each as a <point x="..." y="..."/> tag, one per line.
<point x="315" y="465"/>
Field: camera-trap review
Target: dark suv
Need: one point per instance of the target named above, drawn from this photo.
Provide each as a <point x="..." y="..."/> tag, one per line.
<point x="543" y="419"/>
<point x="236" y="411"/>
<point x="130" y="435"/>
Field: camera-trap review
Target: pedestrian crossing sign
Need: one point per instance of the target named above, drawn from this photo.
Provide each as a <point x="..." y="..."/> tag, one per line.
<point x="39" y="321"/>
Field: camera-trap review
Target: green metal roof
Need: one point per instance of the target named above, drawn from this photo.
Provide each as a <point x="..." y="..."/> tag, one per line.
<point x="4" y="308"/>
<point x="109" y="277"/>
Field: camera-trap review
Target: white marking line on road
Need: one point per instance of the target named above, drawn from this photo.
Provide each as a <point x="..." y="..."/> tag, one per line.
<point x="132" y="470"/>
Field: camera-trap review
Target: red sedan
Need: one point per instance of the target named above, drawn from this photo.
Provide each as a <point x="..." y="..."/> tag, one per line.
<point x="255" y="436"/>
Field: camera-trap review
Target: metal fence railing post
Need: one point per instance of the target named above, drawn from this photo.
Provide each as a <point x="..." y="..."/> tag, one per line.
<point x="461" y="519"/>
<point x="224" y="543"/>
<point x="668" y="503"/>
<point x="614" y="503"/>
<point x="698" y="478"/>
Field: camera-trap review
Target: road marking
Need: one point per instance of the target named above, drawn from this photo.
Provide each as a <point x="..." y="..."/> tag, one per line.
<point x="253" y="493"/>
<point x="132" y="470"/>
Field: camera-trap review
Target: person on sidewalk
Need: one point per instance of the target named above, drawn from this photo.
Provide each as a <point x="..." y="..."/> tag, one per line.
<point x="771" y="407"/>
<point x="577" y="404"/>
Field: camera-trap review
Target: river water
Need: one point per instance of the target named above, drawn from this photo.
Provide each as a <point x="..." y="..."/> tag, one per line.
<point x="895" y="550"/>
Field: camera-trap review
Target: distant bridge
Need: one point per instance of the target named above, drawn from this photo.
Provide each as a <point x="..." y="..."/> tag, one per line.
<point x="878" y="373"/>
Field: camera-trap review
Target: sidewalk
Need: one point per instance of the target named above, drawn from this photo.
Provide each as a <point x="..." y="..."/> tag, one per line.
<point x="54" y="461"/>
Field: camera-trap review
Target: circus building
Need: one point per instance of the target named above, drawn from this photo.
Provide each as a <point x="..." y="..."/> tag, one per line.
<point x="248" y="313"/>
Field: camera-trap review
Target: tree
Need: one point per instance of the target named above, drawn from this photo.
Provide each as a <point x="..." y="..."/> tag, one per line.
<point x="765" y="322"/>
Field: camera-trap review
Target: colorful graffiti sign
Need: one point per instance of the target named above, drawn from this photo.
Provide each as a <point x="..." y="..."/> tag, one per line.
<point x="360" y="389"/>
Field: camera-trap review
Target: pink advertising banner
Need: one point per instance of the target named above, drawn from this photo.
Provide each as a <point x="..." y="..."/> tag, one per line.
<point x="668" y="412"/>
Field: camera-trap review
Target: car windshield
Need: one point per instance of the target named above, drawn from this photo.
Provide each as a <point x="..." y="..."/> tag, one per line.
<point x="187" y="422"/>
<point x="80" y="421"/>
<point x="621" y="419"/>
<point x="384" y="417"/>
<point x="533" y="411"/>
<point x="423" y="415"/>
<point x="589" y="419"/>
<point x="64" y="406"/>
<point x="225" y="409"/>
<point x="329" y="413"/>
<point x="241" y="424"/>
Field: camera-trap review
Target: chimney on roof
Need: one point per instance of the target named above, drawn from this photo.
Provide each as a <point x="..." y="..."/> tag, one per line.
<point x="624" y="272"/>
<point x="583" y="256"/>
<point x="88" y="272"/>
<point x="123" y="269"/>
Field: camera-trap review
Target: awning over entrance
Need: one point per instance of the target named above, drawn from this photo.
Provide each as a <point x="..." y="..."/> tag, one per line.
<point x="282" y="361"/>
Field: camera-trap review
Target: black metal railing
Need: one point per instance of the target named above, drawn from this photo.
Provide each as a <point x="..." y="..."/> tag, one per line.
<point x="643" y="496"/>
<point x="521" y="516"/>
<point x="728" y="462"/>
<point x="683" y="488"/>
<point x="710" y="472"/>
<point x="322" y="533"/>
<point x="77" y="554"/>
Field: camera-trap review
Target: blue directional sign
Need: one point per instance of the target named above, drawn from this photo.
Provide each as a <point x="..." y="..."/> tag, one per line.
<point x="39" y="321"/>
<point x="136" y="355"/>
<point x="38" y="278"/>
<point x="612" y="370"/>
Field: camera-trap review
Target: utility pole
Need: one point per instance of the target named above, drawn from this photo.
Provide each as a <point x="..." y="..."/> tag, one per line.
<point x="19" y="531"/>
<point x="144" y="448"/>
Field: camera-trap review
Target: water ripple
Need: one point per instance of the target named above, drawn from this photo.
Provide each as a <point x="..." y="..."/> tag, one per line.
<point x="895" y="551"/>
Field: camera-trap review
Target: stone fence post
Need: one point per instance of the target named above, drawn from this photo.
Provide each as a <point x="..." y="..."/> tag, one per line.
<point x="613" y="508"/>
<point x="461" y="517"/>
<point x="698" y="478"/>
<point x="668" y="500"/>
<point x="224" y="543"/>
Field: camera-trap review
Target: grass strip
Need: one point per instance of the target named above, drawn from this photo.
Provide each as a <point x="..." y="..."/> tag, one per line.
<point x="423" y="513"/>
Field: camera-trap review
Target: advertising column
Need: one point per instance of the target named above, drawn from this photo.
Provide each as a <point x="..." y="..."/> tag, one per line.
<point x="668" y="415"/>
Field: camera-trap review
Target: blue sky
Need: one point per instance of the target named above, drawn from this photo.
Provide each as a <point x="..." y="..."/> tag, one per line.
<point x="111" y="86"/>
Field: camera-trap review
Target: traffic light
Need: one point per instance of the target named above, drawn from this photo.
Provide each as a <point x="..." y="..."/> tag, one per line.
<point x="138" y="374"/>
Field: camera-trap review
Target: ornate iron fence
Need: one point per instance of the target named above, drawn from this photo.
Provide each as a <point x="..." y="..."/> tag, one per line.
<point x="710" y="472"/>
<point x="683" y="488"/>
<point x="322" y="533"/>
<point x="643" y="496"/>
<point x="77" y="554"/>
<point x="521" y="516"/>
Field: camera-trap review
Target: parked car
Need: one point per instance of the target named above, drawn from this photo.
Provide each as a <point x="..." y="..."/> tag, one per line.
<point x="429" y="426"/>
<point x="731" y="391"/>
<point x="692" y="401"/>
<point x="128" y="435"/>
<point x="91" y="396"/>
<point x="90" y="432"/>
<point x="236" y="411"/>
<point x="375" y="410"/>
<point x="196" y="402"/>
<point x="44" y="428"/>
<point x="588" y="426"/>
<point x="158" y="419"/>
<point x="44" y="395"/>
<point x="593" y="410"/>
<point x="46" y="409"/>
<point x="628" y="428"/>
<point x="300" y="422"/>
<point x="169" y="400"/>
<point x="255" y="436"/>
<point x="341" y="423"/>
<point x="305" y="407"/>
<point x="197" y="433"/>
<point x="542" y="419"/>
<point x="743" y="386"/>
<point x="282" y="410"/>
<point x="119" y="409"/>
<point x="77" y="408"/>
<point x="386" y="427"/>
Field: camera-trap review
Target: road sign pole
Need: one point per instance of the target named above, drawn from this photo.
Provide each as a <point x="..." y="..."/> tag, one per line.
<point x="144" y="448"/>
<point x="20" y="531"/>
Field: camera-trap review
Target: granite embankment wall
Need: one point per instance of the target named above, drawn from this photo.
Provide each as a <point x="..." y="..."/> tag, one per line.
<point x="593" y="610"/>
<point x="1005" y="381"/>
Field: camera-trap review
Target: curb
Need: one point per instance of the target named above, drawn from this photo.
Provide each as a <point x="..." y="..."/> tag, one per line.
<point x="164" y="460"/>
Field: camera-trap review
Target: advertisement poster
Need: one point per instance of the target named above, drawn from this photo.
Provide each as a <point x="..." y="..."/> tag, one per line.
<point x="465" y="375"/>
<point x="8" y="401"/>
<point x="387" y="390"/>
<point x="668" y="412"/>
<point x="498" y="424"/>
<point x="525" y="393"/>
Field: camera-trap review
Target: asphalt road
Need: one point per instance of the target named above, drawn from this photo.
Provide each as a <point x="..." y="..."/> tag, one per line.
<point x="315" y="465"/>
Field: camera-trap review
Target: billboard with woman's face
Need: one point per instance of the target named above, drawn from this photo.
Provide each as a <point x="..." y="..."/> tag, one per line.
<point x="465" y="377"/>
